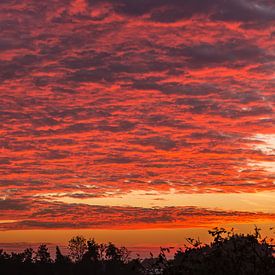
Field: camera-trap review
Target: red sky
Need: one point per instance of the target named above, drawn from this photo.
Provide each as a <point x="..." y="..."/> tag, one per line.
<point x="136" y="114"/>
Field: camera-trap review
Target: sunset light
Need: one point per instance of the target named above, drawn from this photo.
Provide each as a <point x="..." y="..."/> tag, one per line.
<point x="138" y="122"/>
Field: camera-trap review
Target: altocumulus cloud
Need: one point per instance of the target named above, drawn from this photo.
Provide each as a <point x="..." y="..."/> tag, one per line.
<point x="91" y="109"/>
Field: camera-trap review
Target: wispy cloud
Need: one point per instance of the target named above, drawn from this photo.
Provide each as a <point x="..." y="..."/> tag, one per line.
<point x="49" y="215"/>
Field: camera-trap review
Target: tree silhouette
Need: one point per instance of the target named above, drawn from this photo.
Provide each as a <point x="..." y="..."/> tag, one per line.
<point x="228" y="254"/>
<point x="28" y="255"/>
<point x="77" y="247"/>
<point x="4" y="257"/>
<point x="93" y="251"/>
<point x="112" y="252"/>
<point x="42" y="255"/>
<point x="60" y="258"/>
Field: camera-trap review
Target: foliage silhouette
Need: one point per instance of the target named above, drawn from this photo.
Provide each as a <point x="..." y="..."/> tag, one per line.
<point x="229" y="253"/>
<point x="60" y="258"/>
<point x="77" y="247"/>
<point x="42" y="255"/>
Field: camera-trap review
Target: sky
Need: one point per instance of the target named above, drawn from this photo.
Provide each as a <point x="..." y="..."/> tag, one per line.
<point x="124" y="119"/>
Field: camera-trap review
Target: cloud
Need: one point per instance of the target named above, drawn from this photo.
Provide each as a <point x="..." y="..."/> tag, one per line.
<point x="171" y="11"/>
<point x="59" y="215"/>
<point x="16" y="204"/>
<point x="107" y="97"/>
<point x="163" y="143"/>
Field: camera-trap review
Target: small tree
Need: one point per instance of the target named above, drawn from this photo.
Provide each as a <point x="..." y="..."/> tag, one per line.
<point x="28" y="255"/>
<point x="16" y="257"/>
<point x="77" y="247"/>
<point x="4" y="257"/>
<point x="60" y="258"/>
<point x="93" y="251"/>
<point x="114" y="253"/>
<point x="42" y="255"/>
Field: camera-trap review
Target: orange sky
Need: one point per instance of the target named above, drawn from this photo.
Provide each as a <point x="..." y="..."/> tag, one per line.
<point x="135" y="115"/>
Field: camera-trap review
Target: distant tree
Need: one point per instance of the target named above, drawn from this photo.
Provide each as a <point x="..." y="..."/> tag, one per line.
<point x="102" y="251"/>
<point x="116" y="254"/>
<point x="28" y="255"/>
<point x="93" y="251"/>
<point x="60" y="258"/>
<point x="4" y="256"/>
<point x="16" y="258"/>
<point x="112" y="252"/>
<point x="42" y="255"/>
<point x="124" y="254"/>
<point x="77" y="247"/>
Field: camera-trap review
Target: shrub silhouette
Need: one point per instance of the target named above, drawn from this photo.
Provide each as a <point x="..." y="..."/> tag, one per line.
<point x="228" y="253"/>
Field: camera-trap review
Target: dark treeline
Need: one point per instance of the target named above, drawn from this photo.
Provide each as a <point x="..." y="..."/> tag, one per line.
<point x="228" y="253"/>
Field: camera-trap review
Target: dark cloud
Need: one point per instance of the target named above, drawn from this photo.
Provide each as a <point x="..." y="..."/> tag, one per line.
<point x="87" y="60"/>
<point x="54" y="154"/>
<point x="171" y="11"/>
<point x="97" y="75"/>
<point x="121" y="126"/>
<point x="176" y="88"/>
<point x="14" y="204"/>
<point x="243" y="10"/>
<point x="60" y="215"/>
<point x="83" y="195"/>
<point x="46" y="225"/>
<point x="159" y="142"/>
<point x="228" y="53"/>
<point x="115" y="159"/>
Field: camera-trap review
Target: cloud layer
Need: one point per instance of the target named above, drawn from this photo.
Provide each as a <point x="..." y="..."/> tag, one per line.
<point x="49" y="215"/>
<point x="104" y="97"/>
